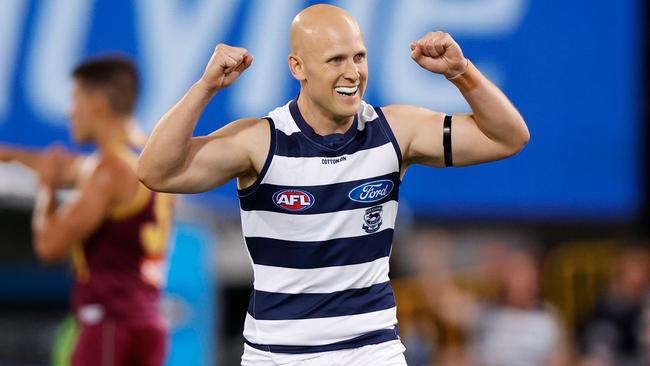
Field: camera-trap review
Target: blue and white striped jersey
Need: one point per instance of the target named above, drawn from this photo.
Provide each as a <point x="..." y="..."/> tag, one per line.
<point x="318" y="226"/>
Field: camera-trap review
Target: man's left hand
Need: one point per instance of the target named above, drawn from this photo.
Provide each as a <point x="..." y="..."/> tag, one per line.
<point x="439" y="53"/>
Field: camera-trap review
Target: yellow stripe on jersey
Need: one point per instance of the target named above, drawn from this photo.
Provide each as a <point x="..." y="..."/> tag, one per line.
<point x="81" y="271"/>
<point x="154" y="235"/>
<point x="128" y="209"/>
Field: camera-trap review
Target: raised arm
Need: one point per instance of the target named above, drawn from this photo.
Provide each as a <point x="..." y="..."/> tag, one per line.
<point x="174" y="161"/>
<point x="494" y="130"/>
<point x="68" y="162"/>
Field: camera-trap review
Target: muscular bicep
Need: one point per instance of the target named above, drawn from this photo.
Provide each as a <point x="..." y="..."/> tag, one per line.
<point x="212" y="161"/>
<point x="472" y="146"/>
<point x="419" y="132"/>
<point x="215" y="159"/>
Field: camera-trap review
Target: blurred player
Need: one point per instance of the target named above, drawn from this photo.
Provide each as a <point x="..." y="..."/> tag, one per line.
<point x="114" y="228"/>
<point x="318" y="184"/>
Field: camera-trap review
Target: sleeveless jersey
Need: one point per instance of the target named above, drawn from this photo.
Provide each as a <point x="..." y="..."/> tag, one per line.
<point x="318" y="225"/>
<point x="120" y="267"/>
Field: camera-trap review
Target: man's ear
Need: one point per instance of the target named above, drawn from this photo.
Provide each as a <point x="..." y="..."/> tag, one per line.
<point x="296" y="67"/>
<point x="100" y="104"/>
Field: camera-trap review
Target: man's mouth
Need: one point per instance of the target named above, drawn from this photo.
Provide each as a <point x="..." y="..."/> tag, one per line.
<point x="347" y="90"/>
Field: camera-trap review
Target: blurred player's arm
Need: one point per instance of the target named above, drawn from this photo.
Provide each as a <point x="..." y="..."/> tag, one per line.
<point x="58" y="229"/>
<point x="69" y="163"/>
<point x="494" y="130"/>
<point x="174" y="161"/>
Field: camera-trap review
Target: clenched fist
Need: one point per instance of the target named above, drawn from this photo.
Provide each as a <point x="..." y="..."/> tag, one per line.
<point x="225" y="66"/>
<point x="439" y="53"/>
<point x="50" y="166"/>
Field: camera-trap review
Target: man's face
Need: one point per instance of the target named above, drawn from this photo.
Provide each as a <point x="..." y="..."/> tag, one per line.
<point x="336" y="71"/>
<point x="82" y="112"/>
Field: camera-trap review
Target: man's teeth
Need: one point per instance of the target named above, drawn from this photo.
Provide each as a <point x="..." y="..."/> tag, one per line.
<point x="346" y="90"/>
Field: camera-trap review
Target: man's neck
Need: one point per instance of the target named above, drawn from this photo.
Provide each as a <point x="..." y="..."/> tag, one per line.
<point x="113" y="135"/>
<point x="322" y="122"/>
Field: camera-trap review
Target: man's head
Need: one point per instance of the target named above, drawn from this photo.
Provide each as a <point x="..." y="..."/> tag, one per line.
<point x="105" y="89"/>
<point x="328" y="57"/>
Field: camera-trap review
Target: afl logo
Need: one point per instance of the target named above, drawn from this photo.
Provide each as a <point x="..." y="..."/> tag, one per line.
<point x="293" y="199"/>
<point x="372" y="191"/>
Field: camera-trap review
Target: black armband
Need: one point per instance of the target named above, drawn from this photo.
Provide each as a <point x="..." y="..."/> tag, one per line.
<point x="446" y="141"/>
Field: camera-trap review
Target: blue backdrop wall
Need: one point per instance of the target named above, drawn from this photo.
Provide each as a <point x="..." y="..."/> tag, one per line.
<point x="571" y="67"/>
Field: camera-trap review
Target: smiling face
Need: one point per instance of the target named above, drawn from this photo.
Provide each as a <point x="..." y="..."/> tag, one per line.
<point x="329" y="59"/>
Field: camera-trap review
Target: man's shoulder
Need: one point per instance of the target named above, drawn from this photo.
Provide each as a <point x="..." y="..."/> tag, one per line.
<point x="250" y="132"/>
<point x="250" y="127"/>
<point x="117" y="162"/>
<point x="405" y="114"/>
<point x="102" y="170"/>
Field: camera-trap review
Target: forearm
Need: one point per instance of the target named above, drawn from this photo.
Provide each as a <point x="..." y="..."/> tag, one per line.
<point x="41" y="222"/>
<point x="67" y="163"/>
<point x="29" y="158"/>
<point x="493" y="112"/>
<point x="168" y="146"/>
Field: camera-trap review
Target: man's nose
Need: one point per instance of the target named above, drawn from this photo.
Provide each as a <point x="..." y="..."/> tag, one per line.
<point x="351" y="71"/>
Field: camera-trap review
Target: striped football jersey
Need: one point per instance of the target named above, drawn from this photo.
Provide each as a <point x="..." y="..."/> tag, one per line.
<point x="318" y="225"/>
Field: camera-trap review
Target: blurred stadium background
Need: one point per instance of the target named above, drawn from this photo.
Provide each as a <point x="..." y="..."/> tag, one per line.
<point x="573" y="199"/>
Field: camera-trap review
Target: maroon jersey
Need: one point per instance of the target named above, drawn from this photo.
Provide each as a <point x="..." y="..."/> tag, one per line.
<point x="120" y="267"/>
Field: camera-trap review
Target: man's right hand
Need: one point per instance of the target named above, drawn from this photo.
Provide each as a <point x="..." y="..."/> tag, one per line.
<point x="51" y="167"/>
<point x="225" y="66"/>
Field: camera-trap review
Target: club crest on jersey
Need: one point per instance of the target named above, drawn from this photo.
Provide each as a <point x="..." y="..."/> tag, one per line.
<point x="372" y="219"/>
<point x="371" y="191"/>
<point x="293" y="199"/>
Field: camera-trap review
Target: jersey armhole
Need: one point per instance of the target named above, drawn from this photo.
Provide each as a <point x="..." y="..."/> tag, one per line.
<point x="389" y="132"/>
<point x="269" y="157"/>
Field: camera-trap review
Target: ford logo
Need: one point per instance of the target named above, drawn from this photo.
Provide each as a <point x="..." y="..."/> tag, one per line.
<point x="371" y="191"/>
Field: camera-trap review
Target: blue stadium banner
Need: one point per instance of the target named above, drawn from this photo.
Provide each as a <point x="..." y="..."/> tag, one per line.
<point x="571" y="67"/>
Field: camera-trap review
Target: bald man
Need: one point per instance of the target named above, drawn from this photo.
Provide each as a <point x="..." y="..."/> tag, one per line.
<point x="318" y="182"/>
